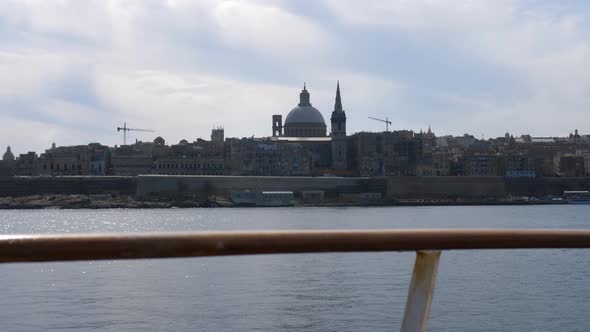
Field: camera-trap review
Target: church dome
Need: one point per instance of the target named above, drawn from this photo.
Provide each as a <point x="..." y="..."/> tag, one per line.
<point x="305" y="114"/>
<point x="304" y="120"/>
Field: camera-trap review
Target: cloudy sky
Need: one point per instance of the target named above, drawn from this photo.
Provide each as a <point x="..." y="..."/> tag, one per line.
<point x="73" y="70"/>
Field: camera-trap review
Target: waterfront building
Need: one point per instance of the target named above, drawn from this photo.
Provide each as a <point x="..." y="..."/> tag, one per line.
<point x="133" y="159"/>
<point x="403" y="153"/>
<point x="91" y="159"/>
<point x="542" y="154"/>
<point x="190" y="165"/>
<point x="517" y="164"/>
<point x="270" y="157"/>
<point x="569" y="165"/>
<point x="481" y="164"/>
<point x="396" y="153"/>
<point x="442" y="162"/>
<point x="200" y="157"/>
<point x="26" y="164"/>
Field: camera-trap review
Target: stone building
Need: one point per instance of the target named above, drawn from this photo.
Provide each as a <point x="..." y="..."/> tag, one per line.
<point x="542" y="152"/>
<point x="91" y="159"/>
<point x="442" y="161"/>
<point x="133" y="159"/>
<point x="403" y="154"/>
<point x="569" y="165"/>
<point x="396" y="153"/>
<point x="190" y="165"/>
<point x="200" y="157"/>
<point x="269" y="157"/>
<point x="518" y="164"/>
<point x="26" y="164"/>
<point x="481" y="164"/>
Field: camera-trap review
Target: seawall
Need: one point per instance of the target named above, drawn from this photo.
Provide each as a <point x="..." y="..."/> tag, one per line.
<point x="389" y="187"/>
<point x="448" y="187"/>
<point x="540" y="187"/>
<point x="72" y="185"/>
<point x="166" y="184"/>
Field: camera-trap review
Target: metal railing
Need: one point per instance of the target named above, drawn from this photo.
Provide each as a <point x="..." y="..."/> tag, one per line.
<point x="428" y="244"/>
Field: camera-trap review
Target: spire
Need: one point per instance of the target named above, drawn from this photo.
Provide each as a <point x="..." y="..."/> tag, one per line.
<point x="338" y="114"/>
<point x="338" y="102"/>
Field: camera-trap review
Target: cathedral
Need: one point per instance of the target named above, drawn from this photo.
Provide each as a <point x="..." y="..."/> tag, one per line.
<point x="305" y="123"/>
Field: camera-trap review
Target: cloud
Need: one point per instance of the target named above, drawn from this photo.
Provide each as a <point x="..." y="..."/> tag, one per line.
<point x="187" y="106"/>
<point x="76" y="70"/>
<point x="27" y="73"/>
<point x="539" y="47"/>
<point x="268" y="30"/>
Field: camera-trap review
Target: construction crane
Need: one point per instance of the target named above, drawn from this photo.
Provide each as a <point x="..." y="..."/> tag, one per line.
<point x="387" y="122"/>
<point x="125" y="130"/>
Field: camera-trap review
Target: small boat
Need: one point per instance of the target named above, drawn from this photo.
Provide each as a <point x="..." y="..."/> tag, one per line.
<point x="577" y="196"/>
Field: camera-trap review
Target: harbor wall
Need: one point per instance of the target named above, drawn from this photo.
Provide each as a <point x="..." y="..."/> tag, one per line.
<point x="540" y="187"/>
<point x="72" y="185"/>
<point x="389" y="187"/>
<point x="173" y="184"/>
<point x="448" y="187"/>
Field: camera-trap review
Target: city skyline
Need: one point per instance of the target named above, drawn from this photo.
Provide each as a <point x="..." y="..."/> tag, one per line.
<point x="72" y="72"/>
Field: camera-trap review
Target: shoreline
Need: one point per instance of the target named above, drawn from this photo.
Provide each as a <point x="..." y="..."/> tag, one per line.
<point x="106" y="201"/>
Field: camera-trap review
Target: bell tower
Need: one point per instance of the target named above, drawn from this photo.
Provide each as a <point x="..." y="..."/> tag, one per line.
<point x="277" y="125"/>
<point x="339" y="145"/>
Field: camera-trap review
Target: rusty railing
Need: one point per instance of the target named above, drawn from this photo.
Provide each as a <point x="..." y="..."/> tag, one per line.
<point x="428" y="244"/>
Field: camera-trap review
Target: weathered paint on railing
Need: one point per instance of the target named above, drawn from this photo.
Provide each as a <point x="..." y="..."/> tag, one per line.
<point x="67" y="247"/>
<point x="427" y="243"/>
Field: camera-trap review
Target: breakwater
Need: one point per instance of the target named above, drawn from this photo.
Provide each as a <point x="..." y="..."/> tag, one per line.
<point x="388" y="187"/>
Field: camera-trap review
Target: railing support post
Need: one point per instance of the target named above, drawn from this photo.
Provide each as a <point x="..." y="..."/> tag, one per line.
<point x="421" y="291"/>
